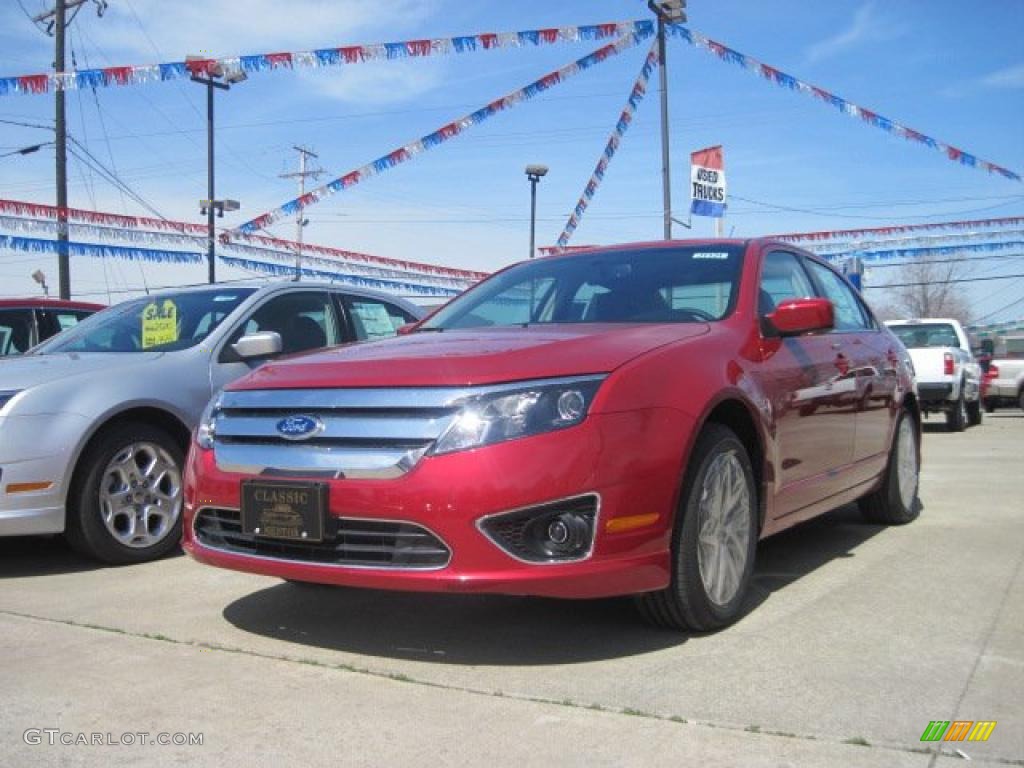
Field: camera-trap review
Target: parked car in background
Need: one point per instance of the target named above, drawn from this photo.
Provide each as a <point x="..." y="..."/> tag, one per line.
<point x="948" y="376"/>
<point x="1005" y="378"/>
<point x="94" y="424"/>
<point x="27" y="322"/>
<point x="614" y="421"/>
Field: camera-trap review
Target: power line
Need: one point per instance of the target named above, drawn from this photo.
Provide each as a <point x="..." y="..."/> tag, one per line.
<point x="945" y="282"/>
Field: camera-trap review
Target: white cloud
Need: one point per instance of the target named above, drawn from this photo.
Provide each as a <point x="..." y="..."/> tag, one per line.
<point x="376" y="82"/>
<point x="866" y="27"/>
<point x="1010" y="77"/>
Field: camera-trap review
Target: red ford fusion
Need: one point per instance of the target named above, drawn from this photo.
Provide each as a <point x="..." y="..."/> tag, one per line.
<point x="618" y="421"/>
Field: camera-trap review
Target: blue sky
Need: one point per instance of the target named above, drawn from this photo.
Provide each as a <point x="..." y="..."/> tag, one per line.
<point x="953" y="71"/>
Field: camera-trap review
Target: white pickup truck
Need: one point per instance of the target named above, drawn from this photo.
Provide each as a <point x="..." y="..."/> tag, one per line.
<point x="948" y="376"/>
<point x="1006" y="375"/>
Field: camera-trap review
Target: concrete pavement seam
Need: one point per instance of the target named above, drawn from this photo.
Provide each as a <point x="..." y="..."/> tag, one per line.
<point x="402" y="678"/>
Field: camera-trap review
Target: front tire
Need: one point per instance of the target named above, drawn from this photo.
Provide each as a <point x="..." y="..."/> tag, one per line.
<point x="895" y="501"/>
<point x="714" y="539"/>
<point x="125" y="502"/>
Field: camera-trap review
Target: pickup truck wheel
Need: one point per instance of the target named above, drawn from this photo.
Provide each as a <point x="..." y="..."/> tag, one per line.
<point x="956" y="417"/>
<point x="974" y="414"/>
<point x="125" y="502"/>
<point x="895" y="501"/>
<point x="714" y="541"/>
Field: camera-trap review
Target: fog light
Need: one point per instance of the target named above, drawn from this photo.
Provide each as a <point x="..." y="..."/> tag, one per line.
<point x="562" y="531"/>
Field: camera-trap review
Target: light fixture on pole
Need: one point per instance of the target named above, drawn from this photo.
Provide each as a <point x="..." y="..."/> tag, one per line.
<point x="534" y="174"/>
<point x="215" y="77"/>
<point x="40" y="277"/>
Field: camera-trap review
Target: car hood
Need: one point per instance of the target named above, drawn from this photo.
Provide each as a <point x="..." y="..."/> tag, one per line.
<point x="473" y="356"/>
<point x="26" y="371"/>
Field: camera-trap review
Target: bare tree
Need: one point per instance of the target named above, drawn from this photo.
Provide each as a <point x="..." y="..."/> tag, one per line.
<point x="929" y="289"/>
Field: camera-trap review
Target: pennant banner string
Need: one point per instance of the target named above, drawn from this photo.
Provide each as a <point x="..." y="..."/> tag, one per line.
<point x="319" y="58"/>
<point x="625" y="118"/>
<point x="442" y="134"/>
<point x="943" y="250"/>
<point x="49" y="227"/>
<point x="40" y="211"/>
<point x="1006" y="221"/>
<point x="870" y="117"/>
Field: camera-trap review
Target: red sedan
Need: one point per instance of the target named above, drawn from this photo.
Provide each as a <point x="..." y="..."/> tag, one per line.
<point x="626" y="420"/>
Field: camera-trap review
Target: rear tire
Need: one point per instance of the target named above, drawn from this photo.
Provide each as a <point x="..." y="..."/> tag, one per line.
<point x="126" y="497"/>
<point x="974" y="413"/>
<point x="895" y="501"/>
<point x="956" y="417"/>
<point x="714" y="540"/>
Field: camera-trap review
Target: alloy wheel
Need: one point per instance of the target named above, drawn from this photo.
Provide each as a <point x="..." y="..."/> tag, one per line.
<point x="140" y="495"/>
<point x="724" y="532"/>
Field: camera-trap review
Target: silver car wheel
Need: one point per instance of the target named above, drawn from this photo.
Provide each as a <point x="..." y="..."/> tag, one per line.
<point x="140" y="495"/>
<point x="906" y="463"/>
<point x="724" y="532"/>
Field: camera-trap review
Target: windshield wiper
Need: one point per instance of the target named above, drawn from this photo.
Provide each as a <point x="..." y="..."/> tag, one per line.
<point x="432" y="329"/>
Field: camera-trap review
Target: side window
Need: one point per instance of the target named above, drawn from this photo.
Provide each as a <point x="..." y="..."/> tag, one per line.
<point x="373" y="318"/>
<point x="849" y="315"/>
<point x="305" y="320"/>
<point x="16" y="331"/>
<point x="782" y="278"/>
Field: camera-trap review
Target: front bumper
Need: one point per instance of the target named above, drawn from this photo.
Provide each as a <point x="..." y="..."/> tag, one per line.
<point x="30" y="454"/>
<point x="631" y="460"/>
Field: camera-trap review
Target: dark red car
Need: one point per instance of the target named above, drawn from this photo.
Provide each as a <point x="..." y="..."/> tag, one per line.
<point x="626" y="420"/>
<point x="27" y="322"/>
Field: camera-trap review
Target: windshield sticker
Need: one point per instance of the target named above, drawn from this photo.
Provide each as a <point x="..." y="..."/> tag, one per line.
<point x="717" y="255"/>
<point x="159" y="324"/>
<point x="375" y="320"/>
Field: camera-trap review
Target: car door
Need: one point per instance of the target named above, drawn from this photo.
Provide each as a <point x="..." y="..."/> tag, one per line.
<point x="808" y="387"/>
<point x="872" y="360"/>
<point x="305" y="320"/>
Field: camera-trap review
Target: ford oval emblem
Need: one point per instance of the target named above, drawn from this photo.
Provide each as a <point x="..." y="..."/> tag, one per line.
<point x="300" y="427"/>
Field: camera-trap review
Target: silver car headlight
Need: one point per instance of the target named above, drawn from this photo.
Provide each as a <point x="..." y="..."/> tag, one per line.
<point x="6" y="395"/>
<point x="519" y="410"/>
<point x="207" y="429"/>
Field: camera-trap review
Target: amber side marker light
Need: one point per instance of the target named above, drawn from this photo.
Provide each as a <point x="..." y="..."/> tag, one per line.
<point x="28" y="487"/>
<point x="620" y="524"/>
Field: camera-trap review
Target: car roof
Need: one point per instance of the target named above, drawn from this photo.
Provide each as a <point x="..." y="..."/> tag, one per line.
<point x="37" y="302"/>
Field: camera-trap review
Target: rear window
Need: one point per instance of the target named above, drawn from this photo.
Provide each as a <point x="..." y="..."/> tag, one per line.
<point x="923" y="335"/>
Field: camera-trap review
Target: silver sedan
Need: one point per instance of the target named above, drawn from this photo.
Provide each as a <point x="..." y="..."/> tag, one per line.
<point x="94" y="423"/>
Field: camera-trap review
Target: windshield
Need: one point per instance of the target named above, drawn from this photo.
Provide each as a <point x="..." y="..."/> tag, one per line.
<point x="151" y="324"/>
<point x="923" y="335"/>
<point x="663" y="285"/>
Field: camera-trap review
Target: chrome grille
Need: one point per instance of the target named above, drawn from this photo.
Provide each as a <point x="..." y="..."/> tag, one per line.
<point x="366" y="433"/>
<point x="351" y="542"/>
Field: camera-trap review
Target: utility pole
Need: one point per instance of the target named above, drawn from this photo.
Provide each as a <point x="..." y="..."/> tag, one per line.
<point x="56" y="23"/>
<point x="301" y="222"/>
<point x="668" y="12"/>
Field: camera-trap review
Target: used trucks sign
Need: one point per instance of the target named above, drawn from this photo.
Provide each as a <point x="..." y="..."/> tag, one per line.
<point x="707" y="182"/>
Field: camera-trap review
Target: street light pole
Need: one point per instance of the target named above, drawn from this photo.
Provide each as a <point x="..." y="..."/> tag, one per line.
<point x="63" y="263"/>
<point x="534" y="174"/>
<point x="215" y="78"/>
<point x="667" y="11"/>
<point x="210" y="235"/>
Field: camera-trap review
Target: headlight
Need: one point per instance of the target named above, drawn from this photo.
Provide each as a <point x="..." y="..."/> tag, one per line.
<point x="207" y="429"/>
<point x="6" y="396"/>
<point x="519" y="410"/>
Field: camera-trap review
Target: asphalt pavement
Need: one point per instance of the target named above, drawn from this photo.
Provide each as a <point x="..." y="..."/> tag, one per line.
<point x="858" y="636"/>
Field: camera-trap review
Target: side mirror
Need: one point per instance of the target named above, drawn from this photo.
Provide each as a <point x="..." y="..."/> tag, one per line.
<point x="797" y="316"/>
<point x="258" y="345"/>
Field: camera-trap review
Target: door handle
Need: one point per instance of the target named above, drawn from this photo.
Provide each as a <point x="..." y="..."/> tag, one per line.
<point x="837" y="345"/>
